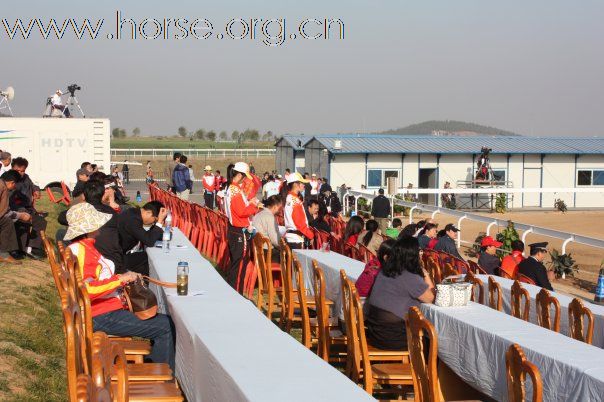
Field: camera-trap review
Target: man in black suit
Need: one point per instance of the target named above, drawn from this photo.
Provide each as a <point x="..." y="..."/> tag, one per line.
<point x="533" y="267"/>
<point x="380" y="210"/>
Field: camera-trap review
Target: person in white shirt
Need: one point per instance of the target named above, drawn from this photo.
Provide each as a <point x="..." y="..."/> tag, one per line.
<point x="314" y="185"/>
<point x="5" y="159"/>
<point x="271" y="187"/>
<point x="209" y="187"/>
<point x="57" y="103"/>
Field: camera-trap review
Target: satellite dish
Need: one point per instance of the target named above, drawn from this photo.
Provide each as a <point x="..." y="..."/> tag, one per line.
<point x="8" y="93"/>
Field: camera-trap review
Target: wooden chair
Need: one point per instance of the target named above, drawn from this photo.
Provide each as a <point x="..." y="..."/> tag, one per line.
<point x="576" y="313"/>
<point x="477" y="288"/>
<point x="517" y="368"/>
<point x="308" y="337"/>
<point x="75" y="350"/>
<point x="520" y="301"/>
<point x="109" y="363"/>
<point x="266" y="273"/>
<point x="475" y="268"/>
<point x="433" y="268"/>
<point x="495" y="295"/>
<point x="425" y="374"/>
<point x="544" y="301"/>
<point x="449" y="270"/>
<point x="393" y="374"/>
<point x="87" y="391"/>
<point x="351" y="251"/>
<point x="327" y="331"/>
<point x="525" y="279"/>
<point x="364" y="254"/>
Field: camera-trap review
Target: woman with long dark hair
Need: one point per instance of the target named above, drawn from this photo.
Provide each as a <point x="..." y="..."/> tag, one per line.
<point x="364" y="282"/>
<point x="402" y="283"/>
<point x="239" y="210"/>
<point x="370" y="237"/>
<point x="354" y="227"/>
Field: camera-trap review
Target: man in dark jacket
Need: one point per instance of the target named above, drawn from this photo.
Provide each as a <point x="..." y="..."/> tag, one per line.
<point x="134" y="238"/>
<point x="181" y="179"/>
<point x="533" y="267"/>
<point x="22" y="200"/>
<point x="488" y="259"/>
<point x="447" y="242"/>
<point x="380" y="210"/>
<point x="332" y="203"/>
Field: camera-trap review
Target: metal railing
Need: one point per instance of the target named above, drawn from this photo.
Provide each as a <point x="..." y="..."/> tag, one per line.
<point x="527" y="229"/>
<point x="208" y="152"/>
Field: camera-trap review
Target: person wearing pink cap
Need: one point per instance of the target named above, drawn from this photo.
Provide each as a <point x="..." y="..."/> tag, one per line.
<point x="488" y="260"/>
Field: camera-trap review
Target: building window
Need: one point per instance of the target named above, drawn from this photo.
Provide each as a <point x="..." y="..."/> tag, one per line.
<point x="499" y="174"/>
<point x="589" y="177"/>
<point x="379" y="177"/>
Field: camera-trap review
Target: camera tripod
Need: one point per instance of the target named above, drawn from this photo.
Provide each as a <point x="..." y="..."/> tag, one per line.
<point x="4" y="100"/>
<point x="73" y="101"/>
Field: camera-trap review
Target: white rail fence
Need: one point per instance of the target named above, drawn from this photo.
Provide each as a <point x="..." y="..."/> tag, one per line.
<point x="208" y="153"/>
<point x="527" y="229"/>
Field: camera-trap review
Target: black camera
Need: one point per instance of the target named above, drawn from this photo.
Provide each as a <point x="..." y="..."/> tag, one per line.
<point x="72" y="88"/>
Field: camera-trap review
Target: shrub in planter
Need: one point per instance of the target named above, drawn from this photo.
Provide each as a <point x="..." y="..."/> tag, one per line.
<point x="562" y="264"/>
<point x="560" y="205"/>
<point x="507" y="236"/>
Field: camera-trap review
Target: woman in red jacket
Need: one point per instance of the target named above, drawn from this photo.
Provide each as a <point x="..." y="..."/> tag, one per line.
<point x="298" y="233"/>
<point x="239" y="210"/>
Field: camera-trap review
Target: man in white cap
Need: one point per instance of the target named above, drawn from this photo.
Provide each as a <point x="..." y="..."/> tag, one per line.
<point x="298" y="233"/>
<point x="209" y="187"/>
<point x="57" y="103"/>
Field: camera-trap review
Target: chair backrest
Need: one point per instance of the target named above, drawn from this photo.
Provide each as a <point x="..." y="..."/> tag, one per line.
<point x="424" y="369"/>
<point x="495" y="295"/>
<point x="517" y="367"/>
<point x="353" y="360"/>
<point x="544" y="301"/>
<point x="360" y="339"/>
<point x="322" y="311"/>
<point x="305" y="318"/>
<point x="477" y="269"/>
<point x="520" y="301"/>
<point x="364" y="254"/>
<point x="449" y="269"/>
<point x="108" y="358"/>
<point x="433" y="268"/>
<point x="335" y="243"/>
<point x="477" y="288"/>
<point x="286" y="274"/>
<point x="525" y="279"/>
<point x="260" y="264"/>
<point x="576" y="313"/>
<point x="75" y="347"/>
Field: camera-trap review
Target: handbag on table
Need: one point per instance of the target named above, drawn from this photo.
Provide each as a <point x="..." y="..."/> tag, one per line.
<point x="453" y="294"/>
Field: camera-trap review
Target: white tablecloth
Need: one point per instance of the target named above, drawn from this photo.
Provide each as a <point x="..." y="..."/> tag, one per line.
<point x="472" y="341"/>
<point x="506" y="287"/>
<point x="331" y="263"/>
<point x="226" y="350"/>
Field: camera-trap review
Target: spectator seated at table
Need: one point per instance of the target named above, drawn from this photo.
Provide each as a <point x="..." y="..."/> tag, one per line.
<point x="315" y="218"/>
<point x="134" y="237"/>
<point x="429" y="233"/>
<point x="266" y="223"/>
<point x="509" y="264"/>
<point x="400" y="284"/>
<point x="395" y="229"/>
<point x="488" y="259"/>
<point x="365" y="281"/>
<point x="354" y="227"/>
<point x="447" y="242"/>
<point x="331" y="201"/>
<point x="82" y="175"/>
<point x="105" y="286"/>
<point x="533" y="267"/>
<point x="371" y="237"/>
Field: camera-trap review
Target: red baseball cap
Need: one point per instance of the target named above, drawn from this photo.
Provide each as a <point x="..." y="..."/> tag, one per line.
<point x="489" y="241"/>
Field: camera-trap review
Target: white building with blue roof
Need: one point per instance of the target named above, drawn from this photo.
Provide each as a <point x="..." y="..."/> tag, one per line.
<point x="430" y="161"/>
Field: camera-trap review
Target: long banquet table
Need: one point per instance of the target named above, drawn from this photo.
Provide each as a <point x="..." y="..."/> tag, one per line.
<point x="331" y="263"/>
<point x="506" y="287"/>
<point x="472" y="341"/>
<point x="226" y="350"/>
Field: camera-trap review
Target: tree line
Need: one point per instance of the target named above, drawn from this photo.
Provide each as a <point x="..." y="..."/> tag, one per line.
<point x="248" y="135"/>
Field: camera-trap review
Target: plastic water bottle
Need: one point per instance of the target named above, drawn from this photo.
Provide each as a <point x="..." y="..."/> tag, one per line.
<point x="138" y="197"/>
<point x="599" y="297"/>
<point x="168" y="224"/>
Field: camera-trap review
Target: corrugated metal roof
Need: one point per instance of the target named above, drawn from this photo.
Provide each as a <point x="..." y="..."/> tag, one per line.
<point x="389" y="144"/>
<point x="297" y="142"/>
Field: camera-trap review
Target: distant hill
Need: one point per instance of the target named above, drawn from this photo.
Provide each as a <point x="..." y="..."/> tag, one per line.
<point x="449" y="127"/>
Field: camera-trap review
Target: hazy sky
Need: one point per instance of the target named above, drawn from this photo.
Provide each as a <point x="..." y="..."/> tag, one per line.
<point x="535" y="67"/>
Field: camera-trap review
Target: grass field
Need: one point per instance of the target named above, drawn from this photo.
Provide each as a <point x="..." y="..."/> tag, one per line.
<point x="32" y="345"/>
<point x="181" y="143"/>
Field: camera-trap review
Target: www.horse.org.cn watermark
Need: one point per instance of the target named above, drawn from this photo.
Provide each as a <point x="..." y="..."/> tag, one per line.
<point x="269" y="31"/>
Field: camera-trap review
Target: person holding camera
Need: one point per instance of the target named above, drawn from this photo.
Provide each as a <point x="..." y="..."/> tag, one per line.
<point x="57" y="103"/>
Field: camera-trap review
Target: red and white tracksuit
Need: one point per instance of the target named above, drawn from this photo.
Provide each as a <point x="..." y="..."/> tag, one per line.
<point x="296" y="224"/>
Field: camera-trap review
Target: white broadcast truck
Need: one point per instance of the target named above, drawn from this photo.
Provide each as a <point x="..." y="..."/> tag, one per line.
<point x="56" y="147"/>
